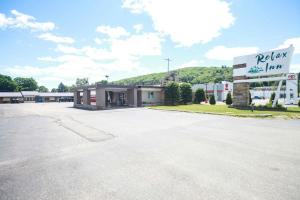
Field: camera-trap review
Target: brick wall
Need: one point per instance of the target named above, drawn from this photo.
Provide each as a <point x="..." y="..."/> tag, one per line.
<point x="240" y="90"/>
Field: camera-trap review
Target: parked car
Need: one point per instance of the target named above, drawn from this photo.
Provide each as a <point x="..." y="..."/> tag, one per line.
<point x="16" y="100"/>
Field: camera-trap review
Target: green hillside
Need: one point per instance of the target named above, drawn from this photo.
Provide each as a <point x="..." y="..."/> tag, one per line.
<point x="191" y="75"/>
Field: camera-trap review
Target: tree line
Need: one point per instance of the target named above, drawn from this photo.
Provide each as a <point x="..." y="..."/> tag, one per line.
<point x="8" y="84"/>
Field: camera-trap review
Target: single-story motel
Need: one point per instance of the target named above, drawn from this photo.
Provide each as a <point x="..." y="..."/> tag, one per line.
<point x="34" y="96"/>
<point x="98" y="96"/>
<point x="108" y="96"/>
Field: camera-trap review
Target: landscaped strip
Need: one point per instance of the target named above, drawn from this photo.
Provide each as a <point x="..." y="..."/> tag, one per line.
<point x="291" y="113"/>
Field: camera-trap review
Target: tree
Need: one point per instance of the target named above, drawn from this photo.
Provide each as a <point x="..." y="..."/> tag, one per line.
<point x="172" y="93"/>
<point x="298" y="84"/>
<point x="26" y="84"/>
<point x="185" y="93"/>
<point x="299" y="103"/>
<point x="71" y="88"/>
<point x="228" y="99"/>
<point x="250" y="98"/>
<point x="102" y="82"/>
<point x="212" y="100"/>
<point x="54" y="90"/>
<point x="82" y="81"/>
<point x="62" y="88"/>
<point x="199" y="96"/>
<point x="7" y="84"/>
<point x="43" y="89"/>
<point x="272" y="99"/>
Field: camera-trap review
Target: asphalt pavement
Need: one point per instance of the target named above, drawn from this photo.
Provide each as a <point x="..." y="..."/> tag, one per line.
<point x="53" y="151"/>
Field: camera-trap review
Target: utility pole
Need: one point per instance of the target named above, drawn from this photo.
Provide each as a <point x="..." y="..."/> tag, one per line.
<point x="169" y="60"/>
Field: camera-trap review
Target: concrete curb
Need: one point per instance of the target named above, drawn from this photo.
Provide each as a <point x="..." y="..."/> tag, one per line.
<point x="223" y="114"/>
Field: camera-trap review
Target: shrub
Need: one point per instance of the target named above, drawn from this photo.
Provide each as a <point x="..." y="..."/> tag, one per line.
<point x="185" y="93"/>
<point x="269" y="105"/>
<point x="228" y="99"/>
<point x="199" y="96"/>
<point x="172" y="93"/>
<point x="212" y="100"/>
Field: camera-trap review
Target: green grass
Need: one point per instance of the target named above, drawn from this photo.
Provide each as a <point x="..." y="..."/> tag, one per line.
<point x="292" y="112"/>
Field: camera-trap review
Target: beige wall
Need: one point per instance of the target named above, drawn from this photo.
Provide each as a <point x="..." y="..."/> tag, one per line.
<point x="147" y="98"/>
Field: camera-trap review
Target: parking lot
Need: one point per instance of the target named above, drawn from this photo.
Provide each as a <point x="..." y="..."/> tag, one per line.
<point x="53" y="151"/>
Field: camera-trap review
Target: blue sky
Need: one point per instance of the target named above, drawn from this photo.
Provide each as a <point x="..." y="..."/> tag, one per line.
<point x="57" y="41"/>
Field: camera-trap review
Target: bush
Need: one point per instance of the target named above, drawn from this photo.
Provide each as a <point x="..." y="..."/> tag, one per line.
<point x="199" y="96"/>
<point x="228" y="99"/>
<point x="212" y="100"/>
<point x="185" y="93"/>
<point x="269" y="105"/>
<point x="172" y="93"/>
<point x="299" y="103"/>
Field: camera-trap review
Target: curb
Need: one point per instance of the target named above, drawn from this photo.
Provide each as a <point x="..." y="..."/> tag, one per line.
<point x="223" y="114"/>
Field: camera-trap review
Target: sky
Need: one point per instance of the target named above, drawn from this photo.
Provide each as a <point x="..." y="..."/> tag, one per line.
<point x="57" y="41"/>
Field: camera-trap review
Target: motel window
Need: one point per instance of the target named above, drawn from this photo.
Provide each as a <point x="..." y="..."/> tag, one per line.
<point x="150" y="95"/>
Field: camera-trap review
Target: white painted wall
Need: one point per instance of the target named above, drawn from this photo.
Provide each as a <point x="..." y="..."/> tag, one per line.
<point x="220" y="90"/>
<point x="151" y="97"/>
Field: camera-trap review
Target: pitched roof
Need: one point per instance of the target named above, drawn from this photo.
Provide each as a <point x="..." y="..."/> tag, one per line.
<point x="29" y="93"/>
<point x="55" y="94"/>
<point x="10" y="94"/>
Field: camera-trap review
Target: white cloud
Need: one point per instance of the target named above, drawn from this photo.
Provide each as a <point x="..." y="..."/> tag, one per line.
<point x="56" y="39"/>
<point x="228" y="53"/>
<point x="295" y="68"/>
<point x="138" y="28"/>
<point x="23" y="21"/>
<point x="67" y="68"/>
<point x="146" y="44"/>
<point x="98" y="41"/>
<point x="121" y="57"/>
<point x="5" y="21"/>
<point x="191" y="63"/>
<point x="67" y="49"/>
<point x="186" y="22"/>
<point x="113" y="32"/>
<point x="47" y="59"/>
<point x="291" y="41"/>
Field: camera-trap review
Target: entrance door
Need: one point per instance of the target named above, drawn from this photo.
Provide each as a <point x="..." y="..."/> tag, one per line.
<point x="122" y="99"/>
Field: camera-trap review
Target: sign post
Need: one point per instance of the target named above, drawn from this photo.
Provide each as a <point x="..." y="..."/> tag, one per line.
<point x="277" y="94"/>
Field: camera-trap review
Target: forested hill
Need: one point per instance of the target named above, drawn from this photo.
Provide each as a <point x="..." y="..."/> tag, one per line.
<point x="191" y="75"/>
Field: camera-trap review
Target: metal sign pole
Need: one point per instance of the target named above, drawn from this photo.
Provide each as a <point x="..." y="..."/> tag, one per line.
<point x="277" y="94"/>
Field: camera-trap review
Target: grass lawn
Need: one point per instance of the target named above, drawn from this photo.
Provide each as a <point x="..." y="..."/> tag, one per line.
<point x="292" y="112"/>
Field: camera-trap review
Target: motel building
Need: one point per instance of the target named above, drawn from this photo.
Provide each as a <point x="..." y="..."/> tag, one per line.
<point x="288" y="93"/>
<point x="99" y="96"/>
<point x="34" y="96"/>
<point x="29" y="96"/>
<point x="38" y="97"/>
<point x="54" y="97"/>
<point x="219" y="90"/>
<point x="11" y="97"/>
